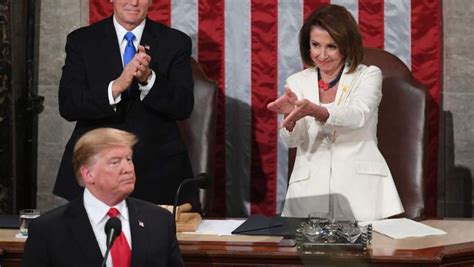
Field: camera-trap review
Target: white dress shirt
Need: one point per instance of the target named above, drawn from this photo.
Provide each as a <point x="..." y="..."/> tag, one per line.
<point x="138" y="32"/>
<point x="97" y="213"/>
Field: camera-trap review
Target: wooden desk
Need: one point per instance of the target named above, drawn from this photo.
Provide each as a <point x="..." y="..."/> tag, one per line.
<point x="11" y="248"/>
<point x="454" y="249"/>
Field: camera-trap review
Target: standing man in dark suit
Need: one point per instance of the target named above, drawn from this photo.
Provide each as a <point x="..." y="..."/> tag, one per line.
<point x="131" y="73"/>
<point x="73" y="235"/>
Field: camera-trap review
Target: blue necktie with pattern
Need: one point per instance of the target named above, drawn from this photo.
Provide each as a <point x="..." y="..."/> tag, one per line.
<point x="130" y="51"/>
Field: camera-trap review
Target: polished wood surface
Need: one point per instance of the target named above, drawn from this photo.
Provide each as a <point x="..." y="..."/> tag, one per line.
<point x="456" y="248"/>
<point x="11" y="248"/>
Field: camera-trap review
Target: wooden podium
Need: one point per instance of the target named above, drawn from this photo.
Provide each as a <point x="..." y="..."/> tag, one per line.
<point x="456" y="248"/>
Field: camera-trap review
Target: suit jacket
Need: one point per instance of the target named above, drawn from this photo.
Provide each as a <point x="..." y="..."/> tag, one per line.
<point x="93" y="60"/>
<point x="64" y="237"/>
<point x="338" y="166"/>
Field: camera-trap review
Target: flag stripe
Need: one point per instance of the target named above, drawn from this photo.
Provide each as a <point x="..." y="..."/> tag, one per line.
<point x="238" y="102"/>
<point x="211" y="56"/>
<point x="290" y="19"/>
<point x="311" y="5"/>
<point x="250" y="47"/>
<point x="398" y="29"/>
<point x="161" y="11"/>
<point x="351" y="5"/>
<point x="98" y="10"/>
<point x="426" y="67"/>
<point x="371" y="22"/>
<point x="264" y="43"/>
<point x="184" y="17"/>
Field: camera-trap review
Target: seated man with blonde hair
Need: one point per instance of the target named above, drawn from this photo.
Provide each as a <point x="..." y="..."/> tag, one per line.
<point x="73" y="234"/>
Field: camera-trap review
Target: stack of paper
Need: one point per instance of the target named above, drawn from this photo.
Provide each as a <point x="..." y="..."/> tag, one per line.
<point x="402" y="228"/>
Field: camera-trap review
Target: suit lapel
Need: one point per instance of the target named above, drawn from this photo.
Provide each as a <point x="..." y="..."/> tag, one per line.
<point x="138" y="233"/>
<point x="344" y="87"/>
<point x="110" y="48"/>
<point x="150" y="37"/>
<point x="82" y="233"/>
<point x="310" y="86"/>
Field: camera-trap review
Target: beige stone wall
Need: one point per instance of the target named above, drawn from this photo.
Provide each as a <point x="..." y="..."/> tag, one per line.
<point x="458" y="78"/>
<point x="59" y="17"/>
<point x="458" y="92"/>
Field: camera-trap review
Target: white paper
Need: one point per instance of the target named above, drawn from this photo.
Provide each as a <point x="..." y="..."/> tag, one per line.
<point x="218" y="227"/>
<point x="402" y="228"/>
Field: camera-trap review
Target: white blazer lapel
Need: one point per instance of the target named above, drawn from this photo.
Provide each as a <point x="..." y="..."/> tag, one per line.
<point x="344" y="88"/>
<point x="310" y="85"/>
<point x="311" y="92"/>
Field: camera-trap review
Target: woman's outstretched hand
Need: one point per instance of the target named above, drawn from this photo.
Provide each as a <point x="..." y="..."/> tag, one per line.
<point x="285" y="103"/>
<point x="302" y="109"/>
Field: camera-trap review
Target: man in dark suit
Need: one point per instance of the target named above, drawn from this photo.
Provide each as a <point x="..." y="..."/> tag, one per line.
<point x="131" y="73"/>
<point x="73" y="235"/>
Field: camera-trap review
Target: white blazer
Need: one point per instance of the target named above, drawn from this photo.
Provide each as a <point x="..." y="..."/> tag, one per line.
<point x="339" y="168"/>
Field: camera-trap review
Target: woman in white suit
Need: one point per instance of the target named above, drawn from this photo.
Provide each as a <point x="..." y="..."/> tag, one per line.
<point x="330" y="115"/>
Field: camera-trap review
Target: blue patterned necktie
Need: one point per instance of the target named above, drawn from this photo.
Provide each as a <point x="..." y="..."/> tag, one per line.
<point x="130" y="51"/>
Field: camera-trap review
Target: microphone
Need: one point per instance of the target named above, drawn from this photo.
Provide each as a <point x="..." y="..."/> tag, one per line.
<point x="113" y="228"/>
<point x="202" y="180"/>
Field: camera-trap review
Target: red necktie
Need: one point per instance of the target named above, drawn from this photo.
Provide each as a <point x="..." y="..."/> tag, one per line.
<point x="121" y="255"/>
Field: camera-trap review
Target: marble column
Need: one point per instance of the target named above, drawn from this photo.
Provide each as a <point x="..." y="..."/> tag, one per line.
<point x="458" y="93"/>
<point x="57" y="19"/>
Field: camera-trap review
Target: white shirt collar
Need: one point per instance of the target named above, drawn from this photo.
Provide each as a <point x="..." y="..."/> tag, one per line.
<point x="121" y="31"/>
<point x="97" y="210"/>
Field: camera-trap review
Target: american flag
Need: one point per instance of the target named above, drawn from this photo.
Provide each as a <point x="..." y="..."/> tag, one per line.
<point x="250" y="47"/>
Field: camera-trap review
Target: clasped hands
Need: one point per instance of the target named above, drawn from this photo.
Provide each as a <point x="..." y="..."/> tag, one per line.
<point x="137" y="68"/>
<point x="292" y="108"/>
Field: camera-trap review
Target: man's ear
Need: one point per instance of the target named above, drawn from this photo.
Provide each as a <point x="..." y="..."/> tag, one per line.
<point x="87" y="175"/>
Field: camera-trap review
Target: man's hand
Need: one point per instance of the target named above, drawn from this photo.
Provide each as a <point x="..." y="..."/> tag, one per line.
<point x="137" y="68"/>
<point x="142" y="65"/>
<point x="125" y="79"/>
<point x="285" y="103"/>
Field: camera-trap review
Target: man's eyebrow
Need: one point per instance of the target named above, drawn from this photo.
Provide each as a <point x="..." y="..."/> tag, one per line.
<point x="114" y="158"/>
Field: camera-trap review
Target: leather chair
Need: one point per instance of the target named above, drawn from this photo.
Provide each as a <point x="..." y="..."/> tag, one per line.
<point x="198" y="131"/>
<point x="401" y="131"/>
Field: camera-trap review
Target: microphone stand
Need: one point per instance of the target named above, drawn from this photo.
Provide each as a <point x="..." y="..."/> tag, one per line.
<point x="113" y="228"/>
<point x="178" y="192"/>
<point x="109" y="246"/>
<point x="202" y="181"/>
